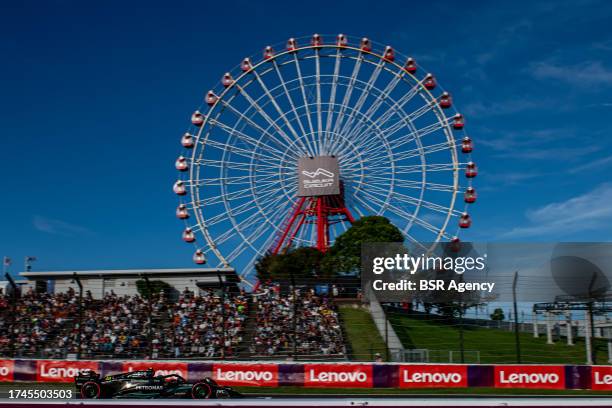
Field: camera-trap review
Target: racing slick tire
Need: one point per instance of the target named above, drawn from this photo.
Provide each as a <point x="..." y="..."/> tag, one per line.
<point x="90" y="390"/>
<point x="201" y="390"/>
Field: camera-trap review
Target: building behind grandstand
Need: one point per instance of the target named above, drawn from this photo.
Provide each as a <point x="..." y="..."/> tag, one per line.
<point x="124" y="282"/>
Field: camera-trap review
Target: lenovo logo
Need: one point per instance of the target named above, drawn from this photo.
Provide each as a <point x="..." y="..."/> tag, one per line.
<point x="331" y="376"/>
<point x="431" y="376"/>
<point x="328" y="375"/>
<point x="530" y="376"/>
<point x="525" y="378"/>
<point x="244" y="375"/>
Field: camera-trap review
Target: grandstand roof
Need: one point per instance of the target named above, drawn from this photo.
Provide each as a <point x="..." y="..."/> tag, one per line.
<point x="127" y="272"/>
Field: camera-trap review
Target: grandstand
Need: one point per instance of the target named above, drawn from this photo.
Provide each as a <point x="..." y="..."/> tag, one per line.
<point x="212" y="321"/>
<point x="195" y="317"/>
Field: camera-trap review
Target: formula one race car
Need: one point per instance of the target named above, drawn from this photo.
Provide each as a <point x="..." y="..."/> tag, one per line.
<point x="145" y="384"/>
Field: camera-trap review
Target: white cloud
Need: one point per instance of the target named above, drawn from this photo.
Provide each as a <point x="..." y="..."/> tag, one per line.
<point x="536" y="145"/>
<point x="587" y="74"/>
<point x="586" y="212"/>
<point x="595" y="164"/>
<point x="58" y="227"/>
<point x="497" y="108"/>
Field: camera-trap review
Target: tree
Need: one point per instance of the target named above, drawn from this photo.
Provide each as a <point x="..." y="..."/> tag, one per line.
<point x="345" y="255"/>
<point x="156" y="287"/>
<point x="498" y="314"/>
<point x="300" y="263"/>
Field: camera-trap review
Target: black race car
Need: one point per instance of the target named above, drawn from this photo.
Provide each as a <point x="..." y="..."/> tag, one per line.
<point x="145" y="384"/>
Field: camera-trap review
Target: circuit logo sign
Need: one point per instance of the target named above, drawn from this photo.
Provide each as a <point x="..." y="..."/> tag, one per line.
<point x="319" y="172"/>
<point x="431" y="376"/>
<point x="350" y="375"/>
<point x="265" y="375"/>
<point x="530" y="377"/>
<point x="318" y="176"/>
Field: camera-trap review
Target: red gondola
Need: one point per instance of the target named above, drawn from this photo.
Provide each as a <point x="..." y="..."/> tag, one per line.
<point x="445" y="100"/>
<point x="187" y="140"/>
<point x="246" y="65"/>
<point x="197" y="118"/>
<point x="268" y="52"/>
<point x="430" y="82"/>
<point x="366" y="44"/>
<point x="188" y="235"/>
<point x="341" y="40"/>
<point x="198" y="257"/>
<point x="227" y="80"/>
<point x="470" y="195"/>
<point x="410" y="66"/>
<point x="181" y="164"/>
<point x="179" y="188"/>
<point x="211" y="98"/>
<point x="465" y="221"/>
<point x="181" y="212"/>
<point x="466" y="145"/>
<point x="389" y="54"/>
<point x="454" y="244"/>
<point x="471" y="170"/>
<point x="458" y="121"/>
<point x="316" y="41"/>
<point x="291" y="45"/>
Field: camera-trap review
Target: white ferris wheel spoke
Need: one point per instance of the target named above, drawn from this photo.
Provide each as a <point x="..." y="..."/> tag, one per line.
<point x="362" y="98"/>
<point x="332" y="100"/>
<point x="280" y="111"/>
<point x="265" y="116"/>
<point x="292" y="104"/>
<point x="304" y="97"/>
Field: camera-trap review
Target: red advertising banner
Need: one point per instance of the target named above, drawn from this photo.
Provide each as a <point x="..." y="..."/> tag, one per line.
<point x="338" y="375"/>
<point x="432" y="376"/>
<point x="7" y="370"/>
<point x="524" y="376"/>
<point x="62" y="370"/>
<point x="601" y="378"/>
<point x="256" y="375"/>
<point x="161" y="368"/>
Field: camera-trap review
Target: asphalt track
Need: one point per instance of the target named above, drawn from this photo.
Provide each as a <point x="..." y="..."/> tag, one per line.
<point x="312" y="400"/>
<point x="321" y="403"/>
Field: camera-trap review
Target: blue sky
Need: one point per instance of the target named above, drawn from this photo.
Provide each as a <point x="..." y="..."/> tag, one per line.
<point x="95" y="97"/>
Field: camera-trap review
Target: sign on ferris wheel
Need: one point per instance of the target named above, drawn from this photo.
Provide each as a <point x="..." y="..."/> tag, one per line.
<point x="292" y="146"/>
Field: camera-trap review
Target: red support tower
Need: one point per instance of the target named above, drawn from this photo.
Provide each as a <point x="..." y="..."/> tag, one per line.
<point x="320" y="210"/>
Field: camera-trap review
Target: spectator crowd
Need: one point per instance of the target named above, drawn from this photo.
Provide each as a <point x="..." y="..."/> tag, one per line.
<point x="316" y="326"/>
<point x="46" y="325"/>
<point x="206" y="325"/>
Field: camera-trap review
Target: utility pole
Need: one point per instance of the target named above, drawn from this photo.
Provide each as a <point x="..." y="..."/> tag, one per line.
<point x="80" y="338"/>
<point x="517" y="338"/>
<point x="27" y="263"/>
<point x="222" y="287"/>
<point x="294" y="319"/>
<point x="11" y="336"/>
<point x="150" y="320"/>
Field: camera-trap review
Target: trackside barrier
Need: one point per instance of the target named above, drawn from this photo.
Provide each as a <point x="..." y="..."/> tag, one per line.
<point x="315" y="375"/>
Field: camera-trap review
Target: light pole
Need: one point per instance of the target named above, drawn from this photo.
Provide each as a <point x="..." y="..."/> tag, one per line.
<point x="80" y="338"/>
<point x="222" y="287"/>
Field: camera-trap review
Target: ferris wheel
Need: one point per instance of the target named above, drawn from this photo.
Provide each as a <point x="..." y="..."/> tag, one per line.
<point x="293" y="145"/>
